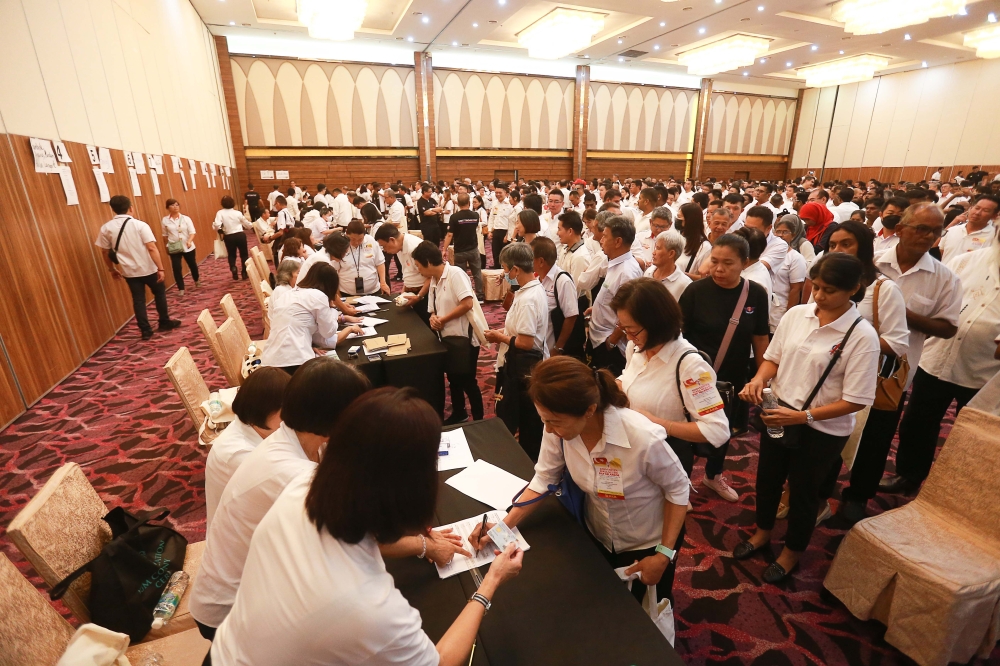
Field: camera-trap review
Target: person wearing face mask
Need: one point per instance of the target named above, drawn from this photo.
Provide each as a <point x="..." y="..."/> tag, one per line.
<point x="822" y="366"/>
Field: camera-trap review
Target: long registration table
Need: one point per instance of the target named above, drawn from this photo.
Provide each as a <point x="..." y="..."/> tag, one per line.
<point x="422" y="368"/>
<point x="567" y="606"/>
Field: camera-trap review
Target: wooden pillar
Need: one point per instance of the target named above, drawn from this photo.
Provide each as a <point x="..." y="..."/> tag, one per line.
<point x="426" y="140"/>
<point x="581" y="120"/>
<point x="701" y="127"/>
<point x="795" y="131"/>
<point x="233" y="114"/>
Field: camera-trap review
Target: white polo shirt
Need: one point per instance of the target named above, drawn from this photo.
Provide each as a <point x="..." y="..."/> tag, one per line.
<point x="675" y="283"/>
<point x="230" y="221"/>
<point x="283" y="220"/>
<point x="299" y="315"/>
<point x="621" y="269"/>
<point x="929" y="289"/>
<point x="412" y="279"/>
<point x="651" y="385"/>
<point x="567" y="300"/>
<point x="642" y="247"/>
<point x="446" y="294"/>
<point x="967" y="359"/>
<point x="224" y="457"/>
<point x="133" y="257"/>
<point x="641" y="223"/>
<point x="528" y="316"/>
<point x="651" y="473"/>
<point x="802" y="349"/>
<point x="248" y="496"/>
<point x="180" y="229"/>
<point x="959" y="240"/>
<point x="362" y="260"/>
<point x="308" y="599"/>
<point x="582" y="265"/>
<point x="884" y="243"/>
<point x="792" y="271"/>
<point x="758" y="273"/>
<point x="397" y="216"/>
<point x="775" y="252"/>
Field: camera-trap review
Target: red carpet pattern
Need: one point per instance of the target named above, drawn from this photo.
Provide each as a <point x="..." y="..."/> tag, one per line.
<point x="119" y="418"/>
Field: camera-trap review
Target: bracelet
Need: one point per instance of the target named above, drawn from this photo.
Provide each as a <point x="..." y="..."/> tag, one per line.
<point x="423" y="541"/>
<point x="483" y="600"/>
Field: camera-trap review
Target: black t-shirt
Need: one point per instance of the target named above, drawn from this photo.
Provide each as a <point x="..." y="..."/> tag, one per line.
<point x="252" y="199"/>
<point x="427" y="204"/>
<point x="707" y="308"/>
<point x="463" y="226"/>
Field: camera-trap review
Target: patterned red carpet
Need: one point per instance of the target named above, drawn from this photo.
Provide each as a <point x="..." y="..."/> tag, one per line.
<point x="119" y="418"/>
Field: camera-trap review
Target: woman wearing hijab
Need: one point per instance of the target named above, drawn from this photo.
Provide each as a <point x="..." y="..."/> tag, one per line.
<point x="791" y="230"/>
<point x="819" y="224"/>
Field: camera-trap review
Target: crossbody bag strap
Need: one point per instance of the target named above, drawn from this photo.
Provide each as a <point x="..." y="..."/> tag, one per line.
<point x="121" y="231"/>
<point x="691" y="262"/>
<point x="829" y="367"/>
<point x="734" y="321"/>
<point x="878" y="285"/>
<point x="552" y="488"/>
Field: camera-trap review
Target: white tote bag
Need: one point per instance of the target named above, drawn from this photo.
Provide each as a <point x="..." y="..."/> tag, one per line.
<point x="660" y="612"/>
<point x="220" y="251"/>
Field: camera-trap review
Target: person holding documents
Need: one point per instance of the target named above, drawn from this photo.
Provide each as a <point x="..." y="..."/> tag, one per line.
<point x="315" y="589"/>
<point x="636" y="491"/>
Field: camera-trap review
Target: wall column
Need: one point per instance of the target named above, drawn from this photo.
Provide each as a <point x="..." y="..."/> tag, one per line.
<point x="233" y="115"/>
<point x="581" y="120"/>
<point x="426" y="140"/>
<point x="795" y="130"/>
<point x="701" y="127"/>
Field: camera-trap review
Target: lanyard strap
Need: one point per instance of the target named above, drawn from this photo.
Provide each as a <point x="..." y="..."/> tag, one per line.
<point x="357" y="261"/>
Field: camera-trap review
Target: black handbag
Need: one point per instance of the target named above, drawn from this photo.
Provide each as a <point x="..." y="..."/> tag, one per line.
<point x="129" y="574"/>
<point x="113" y="254"/>
<point x="791" y="437"/>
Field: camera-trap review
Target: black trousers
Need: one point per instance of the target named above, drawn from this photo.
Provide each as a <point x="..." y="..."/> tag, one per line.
<point x="873" y="450"/>
<point x="234" y="242"/>
<point x="431" y="231"/>
<point x="664" y="588"/>
<point x="463" y="384"/>
<point x="529" y="428"/>
<point x="602" y="358"/>
<point x="137" y="285"/>
<point x="175" y="264"/>
<point x="207" y="632"/>
<point x="930" y="398"/>
<point x="805" y="467"/>
<point x="420" y="307"/>
<point x="497" y="244"/>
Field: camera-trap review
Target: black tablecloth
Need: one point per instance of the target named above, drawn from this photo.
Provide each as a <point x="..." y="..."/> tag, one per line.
<point x="567" y="606"/>
<point x="422" y="367"/>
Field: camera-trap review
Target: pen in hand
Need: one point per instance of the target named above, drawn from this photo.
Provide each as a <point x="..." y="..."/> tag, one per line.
<point x="482" y="532"/>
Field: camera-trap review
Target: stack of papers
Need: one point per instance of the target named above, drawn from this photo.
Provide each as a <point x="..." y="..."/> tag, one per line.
<point x="488" y="483"/>
<point x="370" y="300"/>
<point x="464" y="528"/>
<point x="367" y="331"/>
<point x="372" y="321"/>
<point x="454" y="451"/>
<point x="362" y="308"/>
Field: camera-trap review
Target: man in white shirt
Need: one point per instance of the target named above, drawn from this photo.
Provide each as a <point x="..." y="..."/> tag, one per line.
<point x="658" y="220"/>
<point x="298" y="190"/>
<point x="318" y="224"/>
<point x="761" y="218"/>
<point x="396" y="214"/>
<point x="843" y="204"/>
<point x="138" y="261"/>
<point x="734" y="204"/>
<point x="322" y="196"/>
<point x="560" y="292"/>
<point x="933" y="296"/>
<point x="762" y="196"/>
<point x="275" y="192"/>
<point x="646" y="202"/>
<point x="606" y="345"/>
<point x="342" y="208"/>
<point x="686" y="194"/>
<point x="936" y="176"/>
<point x="976" y="233"/>
<point x="292" y="203"/>
<point x="549" y="218"/>
<point x="499" y="224"/>
<point x="576" y="256"/>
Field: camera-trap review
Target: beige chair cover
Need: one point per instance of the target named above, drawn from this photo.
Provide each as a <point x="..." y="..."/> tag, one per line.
<point x="930" y="570"/>
<point x="31" y="630"/>
<point x="232" y="312"/>
<point x="190" y="386"/>
<point x="209" y="329"/>
<point x="232" y="350"/>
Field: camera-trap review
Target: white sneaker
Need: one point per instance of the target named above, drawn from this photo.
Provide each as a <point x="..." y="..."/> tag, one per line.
<point x="824" y="513"/>
<point x="180" y="292"/>
<point x="722" y="489"/>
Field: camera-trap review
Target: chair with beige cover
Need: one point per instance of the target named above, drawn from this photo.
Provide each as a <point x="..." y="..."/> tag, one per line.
<point x="930" y="570"/>
<point x="265" y="248"/>
<point x="232" y="351"/>
<point x="261" y="261"/>
<point x="206" y="322"/>
<point x="190" y="387"/>
<point x="258" y="291"/>
<point x="232" y="312"/>
<point x="61" y="529"/>
<point x="33" y="633"/>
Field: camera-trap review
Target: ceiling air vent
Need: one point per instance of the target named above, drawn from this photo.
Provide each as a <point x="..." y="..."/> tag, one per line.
<point x="633" y="53"/>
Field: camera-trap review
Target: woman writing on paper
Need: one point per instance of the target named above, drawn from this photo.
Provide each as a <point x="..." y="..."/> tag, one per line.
<point x="636" y="491"/>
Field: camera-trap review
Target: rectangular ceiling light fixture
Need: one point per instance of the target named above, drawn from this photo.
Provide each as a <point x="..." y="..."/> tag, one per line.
<point x="332" y="19"/>
<point x="845" y="70"/>
<point x="871" y="17"/>
<point x="985" y="40"/>
<point x="724" y="55"/>
<point x="560" y="32"/>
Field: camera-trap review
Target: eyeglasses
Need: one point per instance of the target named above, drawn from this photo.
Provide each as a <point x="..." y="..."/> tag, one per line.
<point x="783" y="232"/>
<point x="924" y="230"/>
<point x="630" y="332"/>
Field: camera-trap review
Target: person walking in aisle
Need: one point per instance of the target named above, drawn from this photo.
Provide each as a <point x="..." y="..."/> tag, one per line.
<point x="231" y="224"/>
<point x="131" y="253"/>
<point x="178" y="232"/>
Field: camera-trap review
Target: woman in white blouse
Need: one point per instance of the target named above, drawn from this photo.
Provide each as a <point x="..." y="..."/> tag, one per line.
<point x="667" y="249"/>
<point x="315" y="589"/>
<point x="362" y="270"/>
<point x="178" y="232"/>
<point x="303" y="315"/>
<point x="231" y="225"/>
<point x="635" y="487"/>
<point x="258" y="413"/>
<point x="810" y="338"/>
<point x="697" y="247"/>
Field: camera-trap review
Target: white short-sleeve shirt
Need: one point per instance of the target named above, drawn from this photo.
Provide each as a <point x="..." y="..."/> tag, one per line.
<point x="180" y="229"/>
<point x="412" y="279"/>
<point x="528" y="316"/>
<point x="133" y="257"/>
<point x="364" y="261"/>
<point x="582" y="265"/>
<point x="802" y="349"/>
<point x="566" y="298"/>
<point x="230" y="221"/>
<point x="228" y="450"/>
<point x="308" y="599"/>
<point x="621" y="269"/>
<point x="775" y="252"/>
<point x="792" y="271"/>
<point x="675" y="283"/>
<point x="758" y="273"/>
<point x="300" y="315"/>
<point x="651" y="473"/>
<point x="959" y="240"/>
<point x="445" y="294"/>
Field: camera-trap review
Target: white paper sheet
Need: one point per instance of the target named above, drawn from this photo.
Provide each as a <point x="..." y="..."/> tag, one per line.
<point x="266" y="175"/>
<point x="156" y="182"/>
<point x="368" y="331"/>
<point x="228" y="172"/>
<point x="135" y="182"/>
<point x="69" y="187"/>
<point x="61" y="152"/>
<point x="184" y="181"/>
<point x="487" y="483"/>
<point x="211" y="168"/>
<point x="360" y="308"/>
<point x="192" y="166"/>
<point x="129" y="159"/>
<point x="194" y="180"/>
<point x="140" y="162"/>
<point x="479" y="558"/>
<point x="176" y="163"/>
<point x="459" y="455"/>
<point x="370" y="300"/>
<point x="281" y="175"/>
<point x="373" y="321"/>
<point x="107" y="166"/>
<point x="45" y="156"/>
<point x="102" y="185"/>
<point x="92" y="154"/>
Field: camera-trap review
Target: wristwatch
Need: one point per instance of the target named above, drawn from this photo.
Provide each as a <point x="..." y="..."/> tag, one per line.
<point x="809" y="417"/>
<point x="668" y="552"/>
<point x="487" y="604"/>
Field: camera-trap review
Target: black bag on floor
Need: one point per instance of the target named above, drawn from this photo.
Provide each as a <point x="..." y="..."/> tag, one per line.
<point x="129" y="575"/>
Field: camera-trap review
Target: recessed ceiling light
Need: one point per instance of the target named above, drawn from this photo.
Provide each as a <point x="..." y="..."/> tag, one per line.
<point x="426" y="19"/>
<point x="232" y="23"/>
<point x="621" y="59"/>
<point x="663" y="24"/>
<point x="701" y="31"/>
<point x="454" y="43"/>
<point x="788" y="64"/>
<point x="409" y="39"/>
<point x="620" y="41"/>
<point x="841" y="53"/>
<point x="656" y="47"/>
<point x="815" y="48"/>
<point x="991" y="17"/>
<point x="502" y="2"/>
<point x="763" y="60"/>
<point x="718" y="2"/>
<point x="475" y="25"/>
<point x="746" y="73"/>
<point x="760" y="8"/>
<point x="906" y="36"/>
<point x="923" y="64"/>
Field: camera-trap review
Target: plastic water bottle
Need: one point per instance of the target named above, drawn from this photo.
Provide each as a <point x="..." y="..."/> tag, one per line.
<point x="214" y="405"/>
<point x="154" y="659"/>
<point x="171" y="597"/>
<point x="771" y="402"/>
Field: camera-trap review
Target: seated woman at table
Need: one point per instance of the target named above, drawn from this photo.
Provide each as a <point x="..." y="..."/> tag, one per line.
<point x="315" y="589"/>
<point x="305" y="315"/>
<point x="635" y="512"/>
<point x="289" y="271"/>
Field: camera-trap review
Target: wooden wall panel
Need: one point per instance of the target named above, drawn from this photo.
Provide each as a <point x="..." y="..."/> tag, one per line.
<point x="758" y="170"/>
<point x="484" y="168"/>
<point x="602" y="167"/>
<point x="11" y="405"/>
<point x="339" y="172"/>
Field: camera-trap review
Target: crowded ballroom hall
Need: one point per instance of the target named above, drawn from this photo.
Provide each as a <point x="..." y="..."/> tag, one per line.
<point x="500" y="333"/>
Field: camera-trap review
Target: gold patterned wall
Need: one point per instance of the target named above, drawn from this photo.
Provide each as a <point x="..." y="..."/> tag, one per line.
<point x="476" y="110"/>
<point x="641" y="118"/>
<point x="303" y="103"/>
<point x="749" y="125"/>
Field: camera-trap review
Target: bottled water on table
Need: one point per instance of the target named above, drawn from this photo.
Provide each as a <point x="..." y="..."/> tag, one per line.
<point x="154" y="659"/>
<point x="771" y="402"/>
<point x="214" y="405"/>
<point x="170" y="599"/>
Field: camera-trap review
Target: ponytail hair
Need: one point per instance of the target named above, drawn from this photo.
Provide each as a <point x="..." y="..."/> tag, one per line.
<point x="564" y="385"/>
